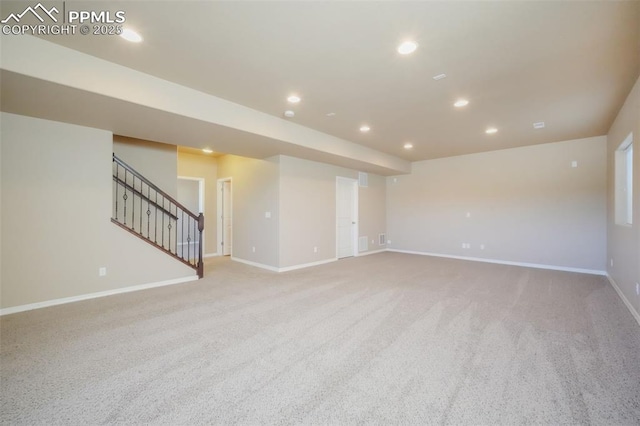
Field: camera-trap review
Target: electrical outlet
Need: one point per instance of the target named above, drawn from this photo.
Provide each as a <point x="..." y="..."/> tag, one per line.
<point x="102" y="271"/>
<point x="481" y="246"/>
<point x="637" y="289"/>
<point x="611" y="262"/>
<point x="468" y="214"/>
<point x="267" y="215"/>
<point x="253" y="249"/>
<point x="315" y="249"/>
<point x="388" y="241"/>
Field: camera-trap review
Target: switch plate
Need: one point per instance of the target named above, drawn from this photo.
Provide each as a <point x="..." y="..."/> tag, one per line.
<point x="574" y="164"/>
<point x="267" y="215"/>
<point x="253" y="249"/>
<point x="102" y="271"/>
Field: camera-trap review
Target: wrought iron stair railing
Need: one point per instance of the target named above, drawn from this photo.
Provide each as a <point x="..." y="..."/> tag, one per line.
<point x="148" y="212"/>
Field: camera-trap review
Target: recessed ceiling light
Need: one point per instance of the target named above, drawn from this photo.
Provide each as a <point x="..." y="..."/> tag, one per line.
<point x="365" y="128"/>
<point x="538" y="125"/>
<point x="439" y="76"/>
<point x="407" y="47"/>
<point x="130" y="35"/>
<point x="491" y="130"/>
<point x="460" y="103"/>
<point x="207" y="151"/>
<point x="331" y="114"/>
<point x="408" y="145"/>
<point x="294" y="99"/>
<point x="289" y="114"/>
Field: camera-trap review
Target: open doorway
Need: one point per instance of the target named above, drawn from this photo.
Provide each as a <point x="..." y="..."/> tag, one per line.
<point x="225" y="217"/>
<point x="190" y="193"/>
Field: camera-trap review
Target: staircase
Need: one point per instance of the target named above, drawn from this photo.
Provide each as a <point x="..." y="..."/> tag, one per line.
<point x="149" y="213"/>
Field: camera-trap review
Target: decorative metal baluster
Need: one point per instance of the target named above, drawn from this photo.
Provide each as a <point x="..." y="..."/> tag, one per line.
<point x="155" y="222"/>
<point x="141" y="207"/>
<point x="124" y="197"/>
<point x="169" y="226"/>
<point x="189" y="239"/>
<point x="133" y="203"/>
<point x="163" y="215"/>
<point x="182" y="235"/>
<point x="117" y="185"/>
<point x="148" y="212"/>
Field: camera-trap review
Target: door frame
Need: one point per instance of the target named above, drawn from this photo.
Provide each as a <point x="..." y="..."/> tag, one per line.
<point x="201" y="195"/>
<point x="220" y="233"/>
<point x="354" y="212"/>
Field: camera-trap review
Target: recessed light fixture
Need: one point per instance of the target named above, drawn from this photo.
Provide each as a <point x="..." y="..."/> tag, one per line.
<point x="331" y="114"/>
<point x="460" y="103"/>
<point x="130" y="35"/>
<point x="365" y="128"/>
<point x="407" y="47"/>
<point x="289" y="114"/>
<point x="538" y="125"/>
<point x="439" y="77"/>
<point x="207" y="151"/>
<point x="491" y="130"/>
<point x="294" y="99"/>
<point x="408" y="145"/>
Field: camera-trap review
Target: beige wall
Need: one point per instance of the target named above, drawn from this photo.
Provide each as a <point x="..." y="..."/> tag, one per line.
<point x="308" y="210"/>
<point x="525" y="205"/>
<point x="623" y="244"/>
<point x="255" y="190"/>
<point x="56" y="208"/>
<point x="205" y="167"/>
<point x="157" y="162"/>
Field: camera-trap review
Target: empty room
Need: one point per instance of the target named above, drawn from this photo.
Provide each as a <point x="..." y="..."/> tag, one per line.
<point x="326" y="212"/>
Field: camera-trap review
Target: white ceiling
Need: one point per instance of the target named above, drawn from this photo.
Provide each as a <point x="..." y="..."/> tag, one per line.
<point x="569" y="64"/>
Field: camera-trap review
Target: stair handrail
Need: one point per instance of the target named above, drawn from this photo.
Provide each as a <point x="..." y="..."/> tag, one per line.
<point x="199" y="218"/>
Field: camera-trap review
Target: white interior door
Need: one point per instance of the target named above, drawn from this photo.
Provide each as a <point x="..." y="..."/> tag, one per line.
<point x="226" y="218"/>
<point x="346" y="217"/>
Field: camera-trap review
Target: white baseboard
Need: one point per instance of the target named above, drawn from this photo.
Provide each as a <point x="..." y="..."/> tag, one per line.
<point x="506" y="262"/>
<point x="54" y="302"/>
<point x="285" y="269"/>
<point x="628" y="304"/>
<point x="256" y="264"/>
<point x="366" y="253"/>
<point x="307" y="265"/>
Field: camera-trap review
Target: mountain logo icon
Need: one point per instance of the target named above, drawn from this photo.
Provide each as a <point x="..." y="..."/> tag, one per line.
<point x="34" y="11"/>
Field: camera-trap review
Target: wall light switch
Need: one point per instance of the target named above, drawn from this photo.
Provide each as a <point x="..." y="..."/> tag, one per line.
<point x="574" y="163"/>
<point x="102" y="271"/>
<point x="267" y="215"/>
<point x="468" y="214"/>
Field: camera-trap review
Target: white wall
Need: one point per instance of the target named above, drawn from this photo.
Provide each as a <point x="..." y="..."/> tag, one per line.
<point x="525" y="204"/>
<point x="623" y="243"/>
<point x="308" y="210"/>
<point x="56" y="210"/>
<point x="255" y="190"/>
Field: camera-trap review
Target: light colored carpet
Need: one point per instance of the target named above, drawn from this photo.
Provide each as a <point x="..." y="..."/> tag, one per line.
<point x="381" y="339"/>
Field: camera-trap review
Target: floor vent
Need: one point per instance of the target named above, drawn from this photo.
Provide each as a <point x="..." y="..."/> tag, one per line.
<point x="382" y="239"/>
<point x="363" y="244"/>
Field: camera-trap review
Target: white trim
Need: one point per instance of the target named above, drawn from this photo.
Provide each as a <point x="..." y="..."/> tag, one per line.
<point x="219" y="213"/>
<point x="256" y="264"/>
<point x="286" y="268"/>
<point x="506" y="262"/>
<point x="366" y="253"/>
<point x="613" y="283"/>
<point x="54" y="302"/>
<point x="307" y="265"/>
<point x="216" y="254"/>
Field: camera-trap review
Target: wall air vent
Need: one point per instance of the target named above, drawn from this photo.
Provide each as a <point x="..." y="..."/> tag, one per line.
<point x="363" y="179"/>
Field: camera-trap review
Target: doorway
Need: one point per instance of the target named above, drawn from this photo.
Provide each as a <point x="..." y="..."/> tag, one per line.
<point x="190" y="193"/>
<point x="346" y="217"/>
<point x="225" y="217"/>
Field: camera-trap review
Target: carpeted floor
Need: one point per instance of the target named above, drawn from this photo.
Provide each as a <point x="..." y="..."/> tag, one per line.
<point x="382" y="339"/>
